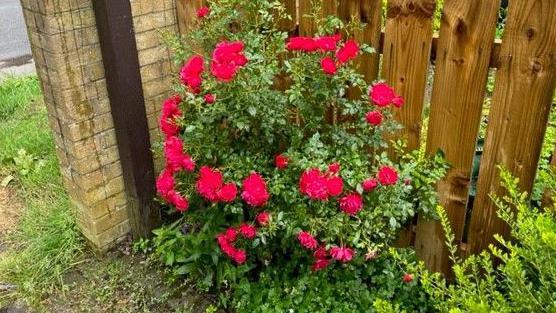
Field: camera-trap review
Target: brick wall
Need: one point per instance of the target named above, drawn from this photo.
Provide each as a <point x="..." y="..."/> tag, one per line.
<point x="66" y="49"/>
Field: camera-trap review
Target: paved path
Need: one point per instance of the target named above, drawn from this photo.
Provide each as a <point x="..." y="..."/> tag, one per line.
<point x="15" y="51"/>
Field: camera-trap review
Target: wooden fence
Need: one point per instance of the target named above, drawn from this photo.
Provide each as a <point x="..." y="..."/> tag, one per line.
<point x="463" y="53"/>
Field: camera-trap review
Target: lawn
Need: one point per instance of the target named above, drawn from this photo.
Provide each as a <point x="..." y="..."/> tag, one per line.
<point x="44" y="262"/>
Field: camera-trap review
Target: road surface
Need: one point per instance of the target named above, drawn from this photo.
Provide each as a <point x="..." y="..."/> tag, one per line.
<point x="15" y="51"/>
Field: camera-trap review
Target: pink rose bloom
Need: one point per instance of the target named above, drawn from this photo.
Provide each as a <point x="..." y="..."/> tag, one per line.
<point x="387" y="175"/>
<point x="227" y="193"/>
<point x="348" y="52"/>
<point x="351" y="204"/>
<point x="342" y="254"/>
<point x="263" y="218"/>
<point x="374" y="118"/>
<point x="370" y="184"/>
<point x="313" y="184"/>
<point x="307" y="240"/>
<point x="328" y="66"/>
<point x="209" y="183"/>
<point x="254" y="191"/>
<point x="320" y="264"/>
<point x="248" y="231"/>
<point x="382" y="94"/>
<point x="334" y="186"/>
<point x="203" y="12"/>
<point x="281" y="161"/>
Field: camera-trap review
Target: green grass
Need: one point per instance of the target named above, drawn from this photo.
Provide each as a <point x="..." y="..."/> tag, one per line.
<point x="17" y="92"/>
<point x="47" y="242"/>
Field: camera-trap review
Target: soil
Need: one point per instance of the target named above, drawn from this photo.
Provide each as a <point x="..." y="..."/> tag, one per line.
<point x="118" y="282"/>
<point x="10" y="211"/>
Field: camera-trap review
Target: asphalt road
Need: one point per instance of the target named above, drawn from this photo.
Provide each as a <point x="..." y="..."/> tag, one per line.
<point x="15" y="50"/>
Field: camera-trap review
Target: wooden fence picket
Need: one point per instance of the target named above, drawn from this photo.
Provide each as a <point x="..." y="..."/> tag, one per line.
<point x="406" y="55"/>
<point x="461" y="71"/>
<point x="291" y="9"/>
<point x="370" y="14"/>
<point x="521" y="104"/>
<point x="187" y="13"/>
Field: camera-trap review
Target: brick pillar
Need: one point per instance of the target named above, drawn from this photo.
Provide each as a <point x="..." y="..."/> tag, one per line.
<point x="67" y="54"/>
<point x="65" y="45"/>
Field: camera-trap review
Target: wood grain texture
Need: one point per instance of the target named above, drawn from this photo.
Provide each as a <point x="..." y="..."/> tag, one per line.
<point x="462" y="64"/>
<point x="307" y="25"/>
<point x="407" y="47"/>
<point x="187" y="13"/>
<point x="520" y="107"/>
<point x="368" y="12"/>
<point x="289" y="25"/>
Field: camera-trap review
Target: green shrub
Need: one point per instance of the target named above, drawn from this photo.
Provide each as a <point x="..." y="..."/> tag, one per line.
<point x="352" y="288"/>
<point x="514" y="276"/>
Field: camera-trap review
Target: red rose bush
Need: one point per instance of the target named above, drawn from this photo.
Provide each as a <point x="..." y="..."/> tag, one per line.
<point x="265" y="170"/>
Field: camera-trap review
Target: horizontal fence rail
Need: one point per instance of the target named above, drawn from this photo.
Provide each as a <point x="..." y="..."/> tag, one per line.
<point x="461" y="57"/>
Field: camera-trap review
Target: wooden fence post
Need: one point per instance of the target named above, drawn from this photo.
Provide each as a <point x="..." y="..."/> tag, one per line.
<point x="520" y="107"/>
<point x="125" y="91"/>
<point x="462" y="64"/>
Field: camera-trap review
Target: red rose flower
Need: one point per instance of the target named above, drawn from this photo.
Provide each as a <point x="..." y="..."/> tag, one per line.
<point x="342" y="254"/>
<point x="254" y="190"/>
<point x="313" y="184"/>
<point x="181" y="203"/>
<point x="320" y="264"/>
<point x="248" y="231"/>
<point x="240" y="256"/>
<point x="227" y="59"/>
<point x="209" y="183"/>
<point x="170" y="107"/>
<point x="170" y="111"/>
<point x="210" y="98"/>
<point x="168" y="127"/>
<point x="334" y="186"/>
<point x="327" y="43"/>
<point x="328" y="65"/>
<point x="176" y="159"/>
<point x="351" y="204"/>
<point x="227" y="193"/>
<point x="165" y="182"/>
<point x="203" y="12"/>
<point x="374" y="118"/>
<point x="334" y="168"/>
<point x="281" y="161"/>
<point x="382" y="94"/>
<point x="398" y="101"/>
<point x="387" y="175"/>
<point x="263" y="218"/>
<point x="305" y="44"/>
<point x="307" y="240"/>
<point x="407" y="278"/>
<point x="348" y="52"/>
<point x="231" y="234"/>
<point x="320" y="253"/>
<point x="370" y="184"/>
<point x="191" y="73"/>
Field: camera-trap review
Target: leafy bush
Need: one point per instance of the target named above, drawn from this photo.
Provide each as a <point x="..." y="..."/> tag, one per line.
<point x="282" y="167"/>
<point x="517" y="276"/>
<point x="351" y="288"/>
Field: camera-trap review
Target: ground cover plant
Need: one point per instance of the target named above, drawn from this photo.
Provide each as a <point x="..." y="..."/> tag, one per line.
<point x="274" y="172"/>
